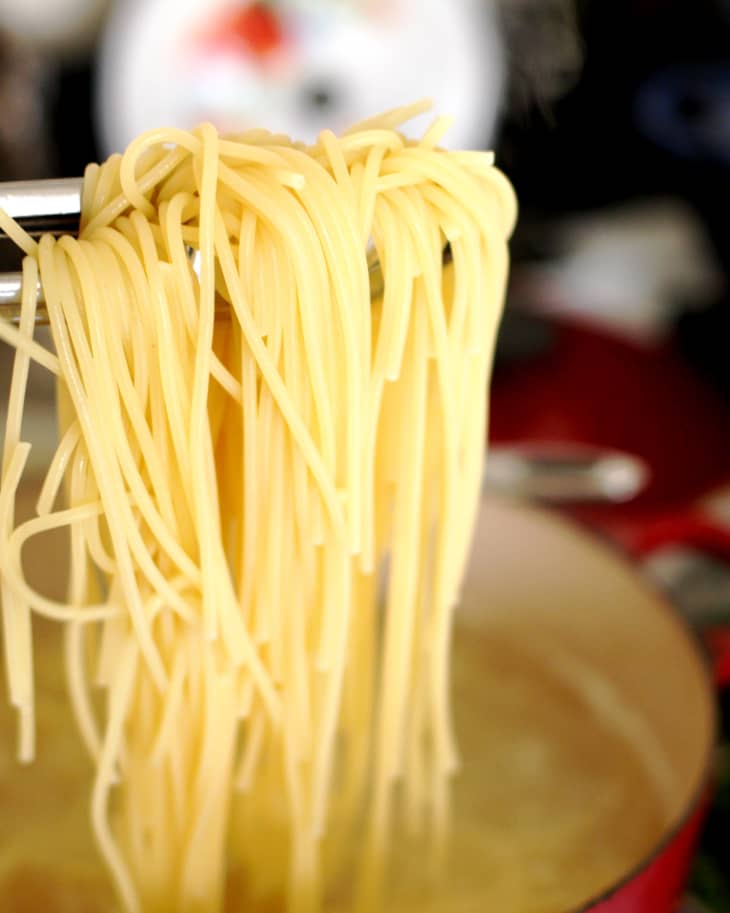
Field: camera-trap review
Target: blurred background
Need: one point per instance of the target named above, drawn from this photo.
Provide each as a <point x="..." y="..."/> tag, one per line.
<point x="612" y="389"/>
<point x="612" y="120"/>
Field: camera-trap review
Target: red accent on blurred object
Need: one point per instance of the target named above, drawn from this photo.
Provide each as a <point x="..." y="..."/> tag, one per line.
<point x="593" y="388"/>
<point x="718" y="643"/>
<point x="690" y="529"/>
<point x="255" y="29"/>
<point x="658" y="887"/>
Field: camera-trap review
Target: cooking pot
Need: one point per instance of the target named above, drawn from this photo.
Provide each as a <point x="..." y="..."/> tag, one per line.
<point x="542" y="573"/>
<point x="550" y="590"/>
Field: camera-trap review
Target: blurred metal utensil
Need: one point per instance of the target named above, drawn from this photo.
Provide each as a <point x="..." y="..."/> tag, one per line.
<point x="564" y="474"/>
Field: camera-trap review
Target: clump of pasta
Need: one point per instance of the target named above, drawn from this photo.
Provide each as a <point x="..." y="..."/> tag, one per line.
<point x="269" y="483"/>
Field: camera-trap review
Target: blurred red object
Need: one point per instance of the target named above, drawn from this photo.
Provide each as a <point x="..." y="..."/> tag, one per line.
<point x="255" y="29"/>
<point x="590" y="387"/>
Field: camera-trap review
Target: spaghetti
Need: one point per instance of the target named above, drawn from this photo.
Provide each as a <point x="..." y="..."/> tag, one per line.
<point x="269" y="484"/>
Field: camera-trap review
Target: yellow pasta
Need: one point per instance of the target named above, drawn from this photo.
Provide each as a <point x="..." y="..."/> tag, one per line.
<point x="269" y="482"/>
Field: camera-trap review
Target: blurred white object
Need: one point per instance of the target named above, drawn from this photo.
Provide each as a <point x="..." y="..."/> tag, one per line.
<point x="629" y="269"/>
<point x="59" y="25"/>
<point x="298" y="67"/>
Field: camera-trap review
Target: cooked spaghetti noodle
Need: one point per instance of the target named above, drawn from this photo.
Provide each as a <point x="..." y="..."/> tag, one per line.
<point x="269" y="483"/>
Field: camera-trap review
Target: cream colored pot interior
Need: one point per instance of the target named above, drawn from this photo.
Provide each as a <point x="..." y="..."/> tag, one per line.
<point x="571" y="599"/>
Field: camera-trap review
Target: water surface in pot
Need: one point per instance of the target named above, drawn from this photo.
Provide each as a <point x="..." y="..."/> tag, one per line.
<point x="583" y="721"/>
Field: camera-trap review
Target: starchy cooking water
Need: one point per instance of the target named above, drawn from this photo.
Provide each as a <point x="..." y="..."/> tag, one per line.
<point x="552" y="804"/>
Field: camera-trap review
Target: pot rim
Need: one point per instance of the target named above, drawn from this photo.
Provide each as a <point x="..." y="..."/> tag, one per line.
<point x="699" y="793"/>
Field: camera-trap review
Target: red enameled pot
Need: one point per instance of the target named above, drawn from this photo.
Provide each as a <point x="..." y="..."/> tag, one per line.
<point x="563" y="583"/>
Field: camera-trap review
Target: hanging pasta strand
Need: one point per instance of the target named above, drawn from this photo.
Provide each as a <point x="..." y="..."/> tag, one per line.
<point x="269" y="482"/>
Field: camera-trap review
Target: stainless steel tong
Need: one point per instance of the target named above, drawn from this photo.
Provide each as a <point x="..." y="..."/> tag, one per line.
<point x="39" y="207"/>
<point x="54" y="206"/>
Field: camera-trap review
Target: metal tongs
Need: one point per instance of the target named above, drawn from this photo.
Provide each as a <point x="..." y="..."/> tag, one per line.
<point x="39" y="207"/>
<point x="534" y="472"/>
<point x="54" y="206"/>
